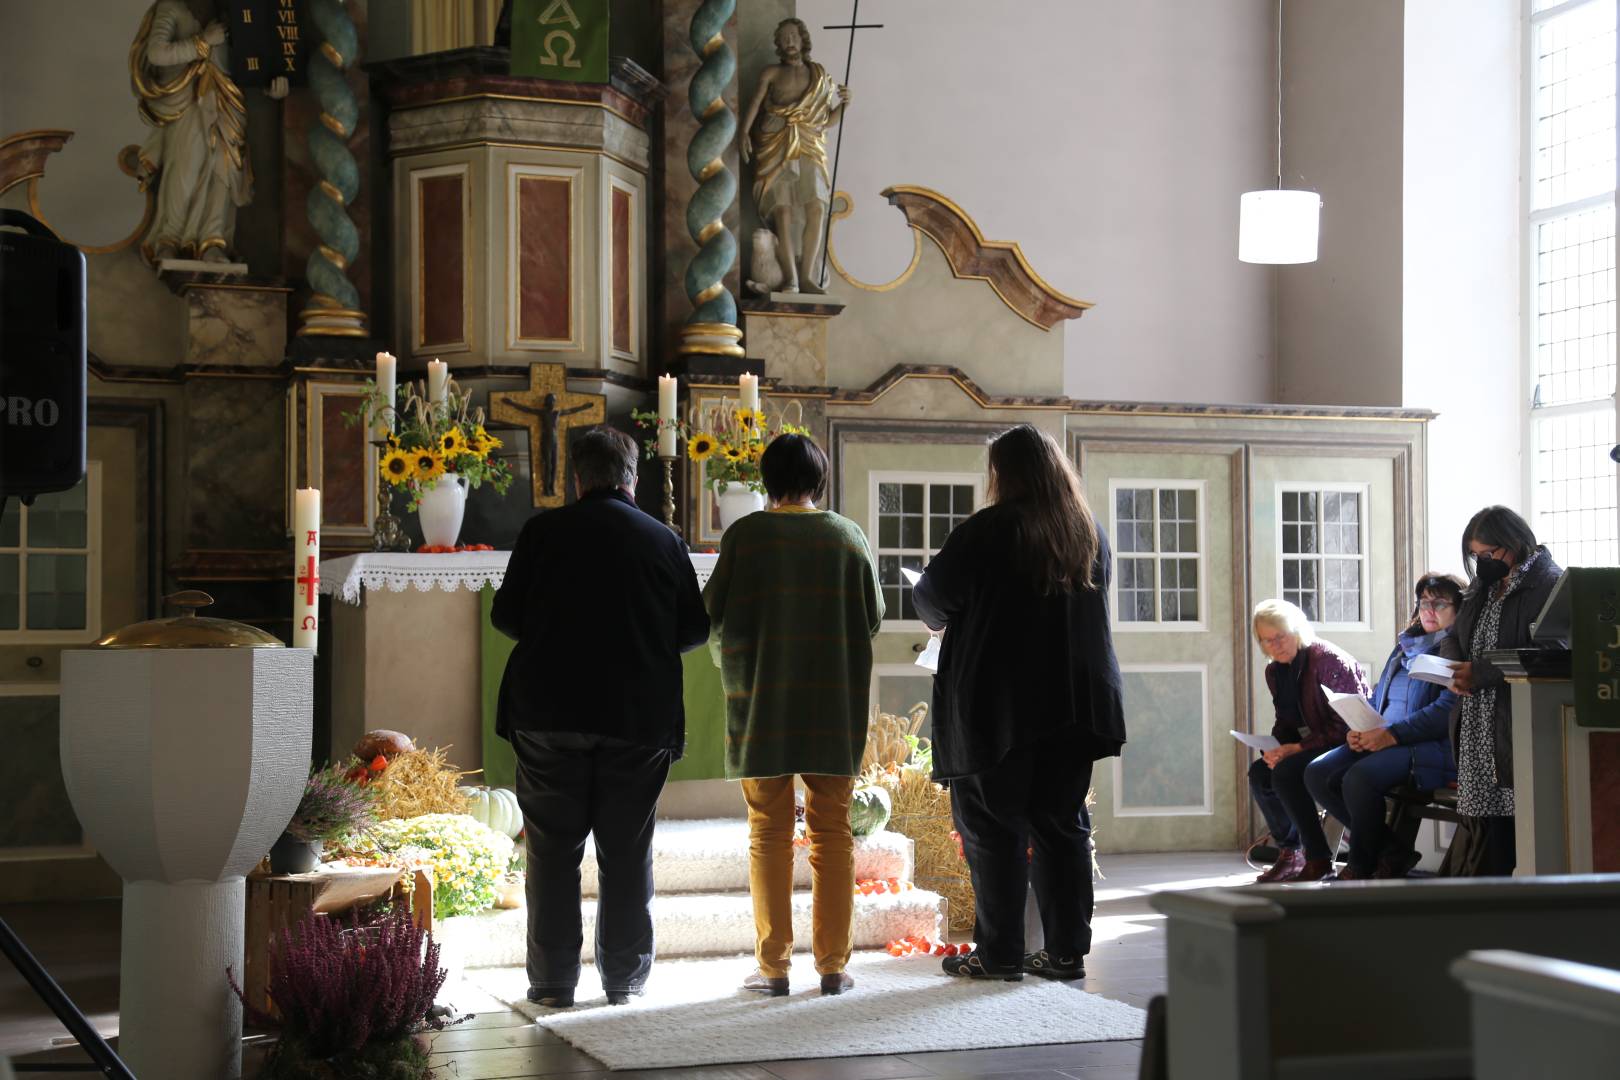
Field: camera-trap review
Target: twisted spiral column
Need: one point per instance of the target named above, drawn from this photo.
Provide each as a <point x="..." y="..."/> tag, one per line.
<point x="334" y="309"/>
<point x="712" y="326"/>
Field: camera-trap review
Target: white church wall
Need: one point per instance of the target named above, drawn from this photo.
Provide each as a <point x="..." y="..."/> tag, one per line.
<point x="1461" y="329"/>
<point x="1111" y="141"/>
<point x="1339" y="318"/>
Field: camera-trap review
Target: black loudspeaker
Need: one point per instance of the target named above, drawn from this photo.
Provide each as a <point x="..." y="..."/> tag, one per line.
<point x="42" y="360"/>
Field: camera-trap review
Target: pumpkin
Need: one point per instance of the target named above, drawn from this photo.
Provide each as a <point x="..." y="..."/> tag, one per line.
<point x="388" y="744"/>
<point x="495" y="807"/>
<point x="869" y="809"/>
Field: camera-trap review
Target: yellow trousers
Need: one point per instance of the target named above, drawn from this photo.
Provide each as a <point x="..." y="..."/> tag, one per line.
<point x="832" y="870"/>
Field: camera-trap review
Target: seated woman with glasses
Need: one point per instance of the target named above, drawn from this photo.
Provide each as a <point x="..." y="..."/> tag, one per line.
<point x="1302" y="667"/>
<point x="1414" y="746"/>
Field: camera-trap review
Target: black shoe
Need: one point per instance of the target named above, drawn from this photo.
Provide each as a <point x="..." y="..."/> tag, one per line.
<point x="837" y="983"/>
<point x="551" y="999"/>
<point x="974" y="967"/>
<point x="621" y="997"/>
<point x="1047" y="966"/>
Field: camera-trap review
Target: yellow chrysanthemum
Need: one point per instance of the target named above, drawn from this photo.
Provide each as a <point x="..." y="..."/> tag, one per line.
<point x="451" y="443"/>
<point x="750" y="420"/>
<point x="701" y="446"/>
<point x="396" y="467"/>
<point x="429" y="464"/>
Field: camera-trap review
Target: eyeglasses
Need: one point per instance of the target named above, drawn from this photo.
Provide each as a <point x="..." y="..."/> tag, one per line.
<point x="1487" y="553"/>
<point x="1434" y="605"/>
<point x="1274" y="641"/>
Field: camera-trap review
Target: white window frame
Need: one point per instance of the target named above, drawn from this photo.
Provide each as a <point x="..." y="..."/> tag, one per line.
<point x="1531" y="219"/>
<point x="898" y="671"/>
<point x="44" y="851"/>
<point x="942" y="479"/>
<point x="1319" y="488"/>
<point x="92" y="552"/>
<point x="1158" y="625"/>
<point x="1207" y="807"/>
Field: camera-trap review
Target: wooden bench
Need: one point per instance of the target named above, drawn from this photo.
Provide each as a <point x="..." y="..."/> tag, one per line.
<point x="1539" y="1017"/>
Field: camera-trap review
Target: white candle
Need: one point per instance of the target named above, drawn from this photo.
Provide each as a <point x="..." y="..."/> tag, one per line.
<point x="748" y="391"/>
<point x="306" y="563"/>
<point x="385" y="387"/>
<point x="666" y="416"/>
<point x="438" y="381"/>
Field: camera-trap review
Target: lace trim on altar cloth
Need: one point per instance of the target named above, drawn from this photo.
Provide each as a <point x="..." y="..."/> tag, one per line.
<point x="347" y="578"/>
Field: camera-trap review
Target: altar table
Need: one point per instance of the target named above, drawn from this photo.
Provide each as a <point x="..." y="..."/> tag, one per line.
<point x="413" y="650"/>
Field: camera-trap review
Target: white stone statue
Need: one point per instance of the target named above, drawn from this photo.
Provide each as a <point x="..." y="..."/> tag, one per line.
<point x="785" y="138"/>
<point x="197" y="152"/>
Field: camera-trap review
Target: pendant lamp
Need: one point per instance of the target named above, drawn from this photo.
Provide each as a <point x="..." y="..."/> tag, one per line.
<point x="1278" y="225"/>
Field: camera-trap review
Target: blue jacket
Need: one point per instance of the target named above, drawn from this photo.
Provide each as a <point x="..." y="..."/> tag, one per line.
<point x="1420" y="712"/>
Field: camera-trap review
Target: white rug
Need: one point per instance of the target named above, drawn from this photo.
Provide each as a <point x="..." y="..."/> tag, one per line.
<point x="695" y="1013"/>
<point x="689" y="925"/>
<point x="711" y="856"/>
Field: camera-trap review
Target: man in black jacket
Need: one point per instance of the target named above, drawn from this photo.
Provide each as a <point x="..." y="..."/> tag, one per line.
<point x="601" y="600"/>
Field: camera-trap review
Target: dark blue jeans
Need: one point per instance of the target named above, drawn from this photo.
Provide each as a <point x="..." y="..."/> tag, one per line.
<point x="1350" y="785"/>
<point x="1286" y="805"/>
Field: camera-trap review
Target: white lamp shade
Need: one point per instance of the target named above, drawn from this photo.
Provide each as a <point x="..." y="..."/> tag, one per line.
<point x="1278" y="226"/>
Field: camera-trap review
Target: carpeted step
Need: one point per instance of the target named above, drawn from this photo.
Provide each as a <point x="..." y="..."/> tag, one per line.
<point x="693" y="925"/>
<point x="711" y="856"/>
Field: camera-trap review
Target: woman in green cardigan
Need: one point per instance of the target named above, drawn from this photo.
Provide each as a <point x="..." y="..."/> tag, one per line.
<point x="793" y="606"/>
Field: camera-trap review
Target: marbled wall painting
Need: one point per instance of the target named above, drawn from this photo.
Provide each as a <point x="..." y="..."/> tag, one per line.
<point x="545" y="259"/>
<point x="1163" y="768"/>
<point x="442" y="251"/>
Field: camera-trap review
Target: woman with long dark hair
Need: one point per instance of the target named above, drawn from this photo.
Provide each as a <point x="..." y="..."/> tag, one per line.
<point x="1510" y="577"/>
<point x="1026" y="699"/>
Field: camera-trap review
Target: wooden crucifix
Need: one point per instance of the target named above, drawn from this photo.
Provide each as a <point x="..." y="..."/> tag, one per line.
<point x="549" y="410"/>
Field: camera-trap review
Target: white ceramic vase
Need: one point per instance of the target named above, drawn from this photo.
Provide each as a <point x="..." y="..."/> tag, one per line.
<point x="440" y="510"/>
<point x="736" y="501"/>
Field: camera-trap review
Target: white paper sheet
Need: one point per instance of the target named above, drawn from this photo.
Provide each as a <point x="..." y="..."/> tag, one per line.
<point x="1355" y="710"/>
<point x="1258" y="742"/>
<point x="928" y="659"/>
<point x="911" y="576"/>
<point x="1432" y="669"/>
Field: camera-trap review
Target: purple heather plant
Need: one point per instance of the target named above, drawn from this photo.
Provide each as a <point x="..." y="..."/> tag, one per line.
<point x="332" y="806"/>
<point x="346" y="990"/>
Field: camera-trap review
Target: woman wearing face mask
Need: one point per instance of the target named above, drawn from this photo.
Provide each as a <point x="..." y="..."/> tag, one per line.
<point x="1302" y="667"/>
<point x="1413" y="747"/>
<point x="1511" y="578"/>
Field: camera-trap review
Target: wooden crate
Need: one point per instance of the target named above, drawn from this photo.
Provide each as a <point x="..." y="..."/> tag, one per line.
<point x="276" y="902"/>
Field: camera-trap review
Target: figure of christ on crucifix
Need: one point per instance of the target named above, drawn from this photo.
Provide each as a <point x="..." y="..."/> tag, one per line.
<point x="548" y="410"/>
<point x="785" y="138"/>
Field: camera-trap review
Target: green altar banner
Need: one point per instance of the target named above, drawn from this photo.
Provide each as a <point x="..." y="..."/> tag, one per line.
<point x="705" y="757"/>
<point x="561" y="39"/>
<point x="1595" y="644"/>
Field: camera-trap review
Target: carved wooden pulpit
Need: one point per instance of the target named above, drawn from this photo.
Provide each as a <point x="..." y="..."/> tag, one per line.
<point x="549" y="410"/>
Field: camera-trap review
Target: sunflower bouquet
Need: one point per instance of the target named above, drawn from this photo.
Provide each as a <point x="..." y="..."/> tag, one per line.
<point x="729" y="444"/>
<point x="433" y="440"/>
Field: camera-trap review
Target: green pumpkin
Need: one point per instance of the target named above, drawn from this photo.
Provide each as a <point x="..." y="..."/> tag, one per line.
<point x="869" y="810"/>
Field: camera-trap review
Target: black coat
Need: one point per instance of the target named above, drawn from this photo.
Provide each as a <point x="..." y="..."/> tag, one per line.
<point x="1015" y="666"/>
<point x="602" y="601"/>
<point x="1519" y="610"/>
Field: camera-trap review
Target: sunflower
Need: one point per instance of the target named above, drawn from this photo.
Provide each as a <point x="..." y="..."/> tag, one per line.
<point x="391" y="441"/>
<point x="701" y="446"/>
<point x="451" y="443"/>
<point x="734" y="454"/>
<point x="396" y="467"/>
<point x="429" y="464"/>
<point x="756" y="450"/>
<point x="475" y="446"/>
<point x="486" y="440"/>
<point x="751" y="421"/>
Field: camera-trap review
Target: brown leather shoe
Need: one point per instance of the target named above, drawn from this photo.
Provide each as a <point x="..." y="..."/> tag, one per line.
<point x="767" y="984"/>
<point x="1312" y="870"/>
<point x="837" y="982"/>
<point x="1289" y="860"/>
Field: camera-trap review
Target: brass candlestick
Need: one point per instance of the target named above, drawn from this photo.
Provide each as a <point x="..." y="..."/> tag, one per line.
<point x="386" y="535"/>
<point x="669" y="493"/>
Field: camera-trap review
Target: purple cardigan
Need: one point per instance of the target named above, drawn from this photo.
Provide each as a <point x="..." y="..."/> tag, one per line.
<point x="1326" y="667"/>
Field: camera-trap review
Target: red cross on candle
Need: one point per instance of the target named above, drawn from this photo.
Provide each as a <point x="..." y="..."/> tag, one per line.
<point x="309" y="579"/>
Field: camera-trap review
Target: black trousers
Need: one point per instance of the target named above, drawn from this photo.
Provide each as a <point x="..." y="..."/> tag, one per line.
<point x="569" y="786"/>
<point x="1286" y="785"/>
<point x="1036" y="797"/>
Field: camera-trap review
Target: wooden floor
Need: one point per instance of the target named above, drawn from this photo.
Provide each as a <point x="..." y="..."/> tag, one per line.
<point x="78" y="943"/>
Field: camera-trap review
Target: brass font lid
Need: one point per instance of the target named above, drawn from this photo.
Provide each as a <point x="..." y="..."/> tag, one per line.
<point x="189" y="631"/>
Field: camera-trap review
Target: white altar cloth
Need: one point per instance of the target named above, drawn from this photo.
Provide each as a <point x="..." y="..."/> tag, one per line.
<point x="347" y="577"/>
